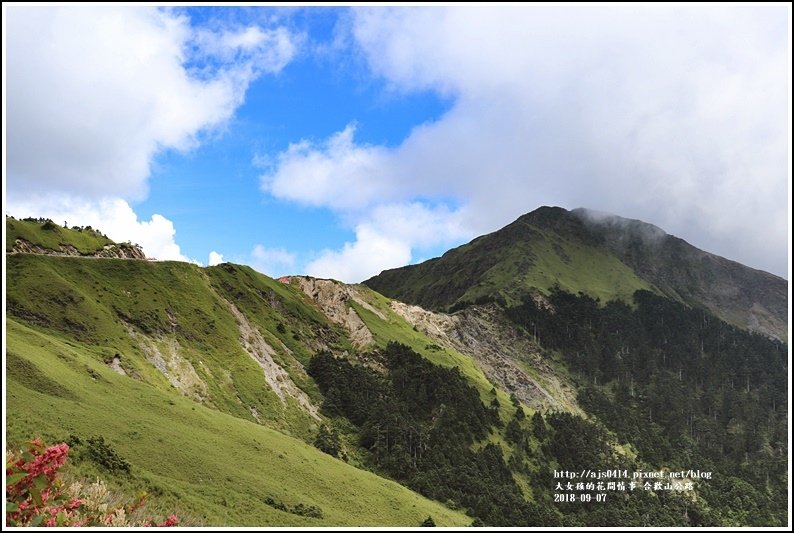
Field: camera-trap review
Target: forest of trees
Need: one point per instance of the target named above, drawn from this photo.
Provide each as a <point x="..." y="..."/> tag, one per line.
<point x="670" y="387"/>
<point x="419" y="423"/>
<point x="684" y="388"/>
<point x="425" y="427"/>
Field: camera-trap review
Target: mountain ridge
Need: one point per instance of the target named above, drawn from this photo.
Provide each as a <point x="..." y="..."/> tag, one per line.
<point x="724" y="286"/>
<point x="600" y="254"/>
<point x="214" y="382"/>
<point x="44" y="237"/>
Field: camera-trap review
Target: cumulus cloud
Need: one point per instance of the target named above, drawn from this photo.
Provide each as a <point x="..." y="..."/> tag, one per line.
<point x="113" y="217"/>
<point x="673" y="115"/>
<point x="273" y="262"/>
<point x="95" y="93"/>
<point x="386" y="239"/>
<point x="215" y="258"/>
<point x="371" y="252"/>
<point x="335" y="173"/>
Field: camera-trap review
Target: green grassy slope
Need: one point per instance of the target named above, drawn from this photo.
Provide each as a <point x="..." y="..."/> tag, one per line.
<point x="532" y="254"/>
<point x="198" y="461"/>
<point x="743" y="296"/>
<point x="52" y="236"/>
<point x="70" y="319"/>
<point x="128" y="308"/>
<point x="181" y="334"/>
<point x="281" y="309"/>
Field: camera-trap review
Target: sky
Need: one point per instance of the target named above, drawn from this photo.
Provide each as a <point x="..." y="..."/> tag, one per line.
<point x="339" y="142"/>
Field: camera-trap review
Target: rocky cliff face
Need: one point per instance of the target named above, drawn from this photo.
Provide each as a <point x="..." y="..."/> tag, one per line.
<point x="119" y="251"/>
<point x="122" y="251"/>
<point x="506" y="355"/>
<point x="332" y="297"/>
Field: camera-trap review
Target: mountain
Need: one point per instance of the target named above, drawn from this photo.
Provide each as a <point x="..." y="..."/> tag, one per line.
<point x="749" y="298"/>
<point x="43" y="236"/>
<point x="169" y="362"/>
<point x="657" y="340"/>
<point x="604" y="256"/>
<point x="237" y="399"/>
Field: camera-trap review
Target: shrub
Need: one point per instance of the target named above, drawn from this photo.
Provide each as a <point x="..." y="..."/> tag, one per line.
<point x="275" y="504"/>
<point x="429" y="522"/>
<point x="104" y="455"/>
<point x="36" y="494"/>
<point x="301" y="509"/>
<point x="312" y="511"/>
<point x="328" y="441"/>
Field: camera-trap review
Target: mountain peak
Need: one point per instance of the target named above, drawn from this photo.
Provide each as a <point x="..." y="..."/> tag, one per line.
<point x="597" y="253"/>
<point x="619" y="226"/>
<point x="551" y="217"/>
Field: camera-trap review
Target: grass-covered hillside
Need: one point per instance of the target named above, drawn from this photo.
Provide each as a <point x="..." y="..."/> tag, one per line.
<point x="50" y="236"/>
<point x="206" y="466"/>
<point x="197" y="377"/>
<point x="746" y="297"/>
<point x="533" y="254"/>
<point x="603" y="256"/>
<point x="172" y="325"/>
<point x="237" y="399"/>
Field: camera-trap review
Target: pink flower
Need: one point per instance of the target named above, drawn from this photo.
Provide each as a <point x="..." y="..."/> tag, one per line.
<point x="73" y="504"/>
<point x="170" y="521"/>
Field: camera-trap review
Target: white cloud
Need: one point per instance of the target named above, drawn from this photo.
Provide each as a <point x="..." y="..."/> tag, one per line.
<point x="674" y="115"/>
<point x="386" y="239"/>
<point x="266" y="50"/>
<point x="371" y="252"/>
<point x="113" y="217"/>
<point x="215" y="258"/>
<point x="95" y="93"/>
<point x="335" y="173"/>
<point x="418" y="224"/>
<point x="273" y="262"/>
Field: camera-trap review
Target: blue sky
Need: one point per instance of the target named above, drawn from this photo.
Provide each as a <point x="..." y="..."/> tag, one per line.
<point x="339" y="142"/>
<point x="218" y="186"/>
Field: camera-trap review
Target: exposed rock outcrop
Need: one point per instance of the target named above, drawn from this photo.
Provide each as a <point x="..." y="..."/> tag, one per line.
<point x="503" y="352"/>
<point x="261" y="352"/>
<point x="122" y="251"/>
<point x="333" y="297"/>
<point x="115" y="365"/>
<point x="119" y="251"/>
<point x="165" y="354"/>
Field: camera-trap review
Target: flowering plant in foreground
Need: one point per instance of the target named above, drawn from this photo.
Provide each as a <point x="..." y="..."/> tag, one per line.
<point x="36" y="494"/>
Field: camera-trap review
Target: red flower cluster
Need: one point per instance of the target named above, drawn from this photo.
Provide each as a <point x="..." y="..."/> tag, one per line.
<point x="65" y="510"/>
<point x="35" y="494"/>
<point x="33" y="482"/>
<point x="46" y="461"/>
<point x="171" y="521"/>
